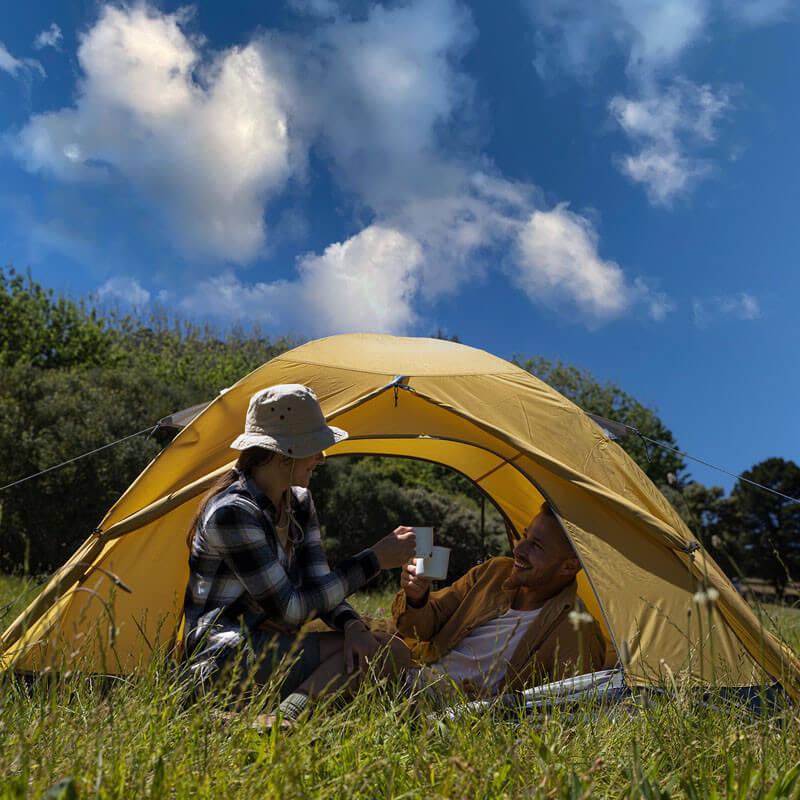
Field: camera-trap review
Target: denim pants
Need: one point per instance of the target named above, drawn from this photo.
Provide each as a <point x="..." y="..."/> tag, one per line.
<point x="255" y="658"/>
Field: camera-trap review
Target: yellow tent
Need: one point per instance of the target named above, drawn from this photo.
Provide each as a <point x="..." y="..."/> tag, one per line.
<point x="120" y="595"/>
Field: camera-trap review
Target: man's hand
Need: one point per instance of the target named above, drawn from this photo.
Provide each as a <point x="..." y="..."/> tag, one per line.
<point x="359" y="645"/>
<point x="415" y="586"/>
<point x="396" y="548"/>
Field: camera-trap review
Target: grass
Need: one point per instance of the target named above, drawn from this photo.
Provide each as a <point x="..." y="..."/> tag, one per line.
<point x="139" y="738"/>
<point x="15" y="594"/>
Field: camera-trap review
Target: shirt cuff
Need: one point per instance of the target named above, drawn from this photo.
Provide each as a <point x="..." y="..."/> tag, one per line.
<point x="353" y="618"/>
<point x="344" y="616"/>
<point x="421" y="604"/>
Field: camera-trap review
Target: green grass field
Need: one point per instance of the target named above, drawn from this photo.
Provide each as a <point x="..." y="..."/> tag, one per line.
<point x="138" y="738"/>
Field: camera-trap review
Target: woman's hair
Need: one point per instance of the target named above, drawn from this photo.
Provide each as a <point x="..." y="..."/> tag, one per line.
<point x="248" y="459"/>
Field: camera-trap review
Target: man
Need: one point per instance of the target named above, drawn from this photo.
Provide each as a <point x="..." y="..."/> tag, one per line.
<point x="507" y="623"/>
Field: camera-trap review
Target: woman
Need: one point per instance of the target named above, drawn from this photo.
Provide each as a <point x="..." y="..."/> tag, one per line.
<point x="257" y="570"/>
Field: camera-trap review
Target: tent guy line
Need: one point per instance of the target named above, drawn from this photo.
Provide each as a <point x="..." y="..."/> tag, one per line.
<point x="152" y="429"/>
<point x="720" y="469"/>
<point x="618" y="430"/>
<point x="613" y="428"/>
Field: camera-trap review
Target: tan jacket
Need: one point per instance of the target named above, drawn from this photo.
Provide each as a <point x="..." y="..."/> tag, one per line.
<point x="551" y="649"/>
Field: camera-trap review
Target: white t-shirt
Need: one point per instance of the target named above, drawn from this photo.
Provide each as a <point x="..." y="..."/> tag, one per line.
<point x="480" y="659"/>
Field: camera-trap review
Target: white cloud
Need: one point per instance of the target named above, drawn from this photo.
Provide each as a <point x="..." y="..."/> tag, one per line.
<point x="367" y="283"/>
<point x="125" y="290"/>
<point x="576" y="37"/>
<point x="666" y="126"/>
<point x="17" y="67"/>
<point x="208" y="145"/>
<point x="204" y="144"/>
<point x="377" y="92"/>
<point x="315" y="8"/>
<point x="654" y="35"/>
<point x="377" y="279"/>
<point x="743" y="306"/>
<point x="758" y="12"/>
<point x="49" y="37"/>
<point x="749" y="307"/>
<point x="658" y="303"/>
<point x="8" y="63"/>
<point x="206" y="139"/>
<point x="225" y="297"/>
<point x="461" y="225"/>
<point x="558" y="259"/>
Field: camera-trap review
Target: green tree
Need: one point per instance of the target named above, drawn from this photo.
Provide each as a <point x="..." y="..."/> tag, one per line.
<point x="200" y="358"/>
<point x="360" y="499"/>
<point x="71" y="381"/>
<point x="49" y="416"/>
<point x="767" y="526"/>
<point x="48" y="331"/>
<point x="714" y="520"/>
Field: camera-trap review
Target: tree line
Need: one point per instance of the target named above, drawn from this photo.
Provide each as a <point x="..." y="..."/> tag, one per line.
<point x="74" y="377"/>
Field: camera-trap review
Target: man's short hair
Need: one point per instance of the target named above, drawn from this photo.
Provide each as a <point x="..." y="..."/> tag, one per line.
<point x="547" y="510"/>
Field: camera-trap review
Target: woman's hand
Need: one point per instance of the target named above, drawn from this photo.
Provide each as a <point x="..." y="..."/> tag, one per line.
<point x="415" y="586"/>
<point x="397" y="548"/>
<point x="359" y="645"/>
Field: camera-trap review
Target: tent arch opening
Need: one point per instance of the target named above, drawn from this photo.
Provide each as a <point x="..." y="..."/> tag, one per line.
<point x="586" y="590"/>
<point x="440" y="434"/>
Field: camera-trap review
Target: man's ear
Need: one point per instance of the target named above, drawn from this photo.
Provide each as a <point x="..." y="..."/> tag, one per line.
<point x="571" y="567"/>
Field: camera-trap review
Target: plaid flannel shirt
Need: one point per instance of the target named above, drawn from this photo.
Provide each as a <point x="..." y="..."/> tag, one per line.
<point x="240" y="577"/>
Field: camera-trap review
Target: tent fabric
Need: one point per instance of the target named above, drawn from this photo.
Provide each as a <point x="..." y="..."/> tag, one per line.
<point x="119" y="597"/>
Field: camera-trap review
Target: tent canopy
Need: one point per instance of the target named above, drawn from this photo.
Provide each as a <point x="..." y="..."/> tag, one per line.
<point x="520" y="441"/>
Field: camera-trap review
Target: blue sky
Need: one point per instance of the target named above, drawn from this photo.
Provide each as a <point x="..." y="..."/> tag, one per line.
<point x="612" y="184"/>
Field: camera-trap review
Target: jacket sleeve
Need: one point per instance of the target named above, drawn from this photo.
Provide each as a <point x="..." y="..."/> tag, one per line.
<point x="236" y="531"/>
<point x="425" y="621"/>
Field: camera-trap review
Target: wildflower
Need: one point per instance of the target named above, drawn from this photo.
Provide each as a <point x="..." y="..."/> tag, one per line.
<point x="716" y="541"/>
<point x="707" y="597"/>
<point x="578" y="618"/>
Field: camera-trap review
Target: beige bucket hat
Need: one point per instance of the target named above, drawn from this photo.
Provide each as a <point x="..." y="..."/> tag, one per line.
<point x="287" y="418"/>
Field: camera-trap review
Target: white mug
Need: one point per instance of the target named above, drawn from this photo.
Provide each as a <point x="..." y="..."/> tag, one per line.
<point x="435" y="565"/>
<point x="424" y="542"/>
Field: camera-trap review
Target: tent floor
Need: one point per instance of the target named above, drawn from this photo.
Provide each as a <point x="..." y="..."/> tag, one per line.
<point x="606" y="692"/>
